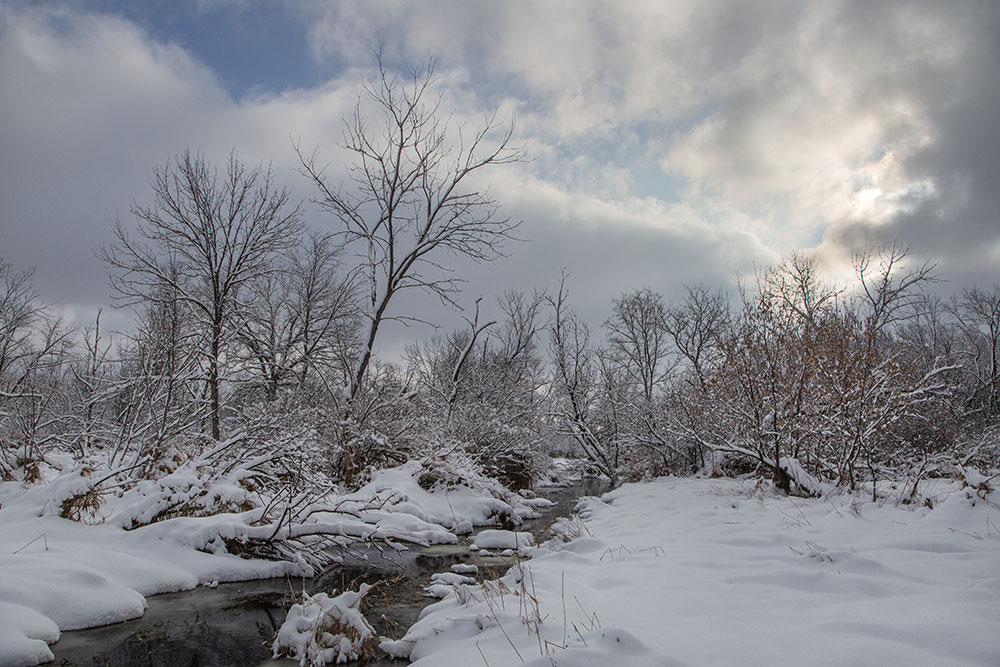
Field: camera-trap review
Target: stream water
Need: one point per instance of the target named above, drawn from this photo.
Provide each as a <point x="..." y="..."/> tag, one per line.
<point x="234" y="624"/>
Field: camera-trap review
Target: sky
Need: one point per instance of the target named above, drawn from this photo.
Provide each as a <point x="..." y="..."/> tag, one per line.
<point x="671" y="142"/>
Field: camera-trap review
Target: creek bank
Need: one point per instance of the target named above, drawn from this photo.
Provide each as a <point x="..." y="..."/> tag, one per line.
<point x="233" y="624"/>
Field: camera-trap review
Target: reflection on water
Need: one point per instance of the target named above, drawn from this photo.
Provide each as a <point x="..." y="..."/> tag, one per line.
<point x="234" y="624"/>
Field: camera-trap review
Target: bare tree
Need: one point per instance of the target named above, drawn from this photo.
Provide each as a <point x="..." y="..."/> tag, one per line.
<point x="299" y="320"/>
<point x="796" y="284"/>
<point x="697" y="326"/>
<point x="204" y="238"/>
<point x="576" y="383"/>
<point x="410" y="201"/>
<point x="978" y="313"/>
<point x="479" y="388"/>
<point x="34" y="349"/>
<point x="890" y="291"/>
<point x="20" y="310"/>
<point x="158" y="394"/>
<point x="639" y="340"/>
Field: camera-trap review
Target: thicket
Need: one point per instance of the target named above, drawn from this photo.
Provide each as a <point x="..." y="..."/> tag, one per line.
<point x="798" y="380"/>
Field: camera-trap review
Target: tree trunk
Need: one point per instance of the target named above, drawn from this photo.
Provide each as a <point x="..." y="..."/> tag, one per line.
<point x="213" y="383"/>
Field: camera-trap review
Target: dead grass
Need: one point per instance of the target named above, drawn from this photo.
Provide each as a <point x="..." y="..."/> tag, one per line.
<point x="83" y="507"/>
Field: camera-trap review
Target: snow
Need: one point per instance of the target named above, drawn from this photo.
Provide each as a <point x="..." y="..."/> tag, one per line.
<point x="478" y="502"/>
<point x="25" y="635"/>
<point x="674" y="571"/>
<point x="325" y="630"/>
<point x="57" y="574"/>
<point x="503" y="539"/>
<point x="722" y="572"/>
<point x="451" y="579"/>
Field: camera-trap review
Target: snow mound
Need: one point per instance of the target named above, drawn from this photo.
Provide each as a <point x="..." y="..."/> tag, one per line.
<point x="456" y="501"/>
<point x="451" y="579"/>
<point x="25" y="635"/>
<point x="325" y="630"/>
<point x="503" y="539"/>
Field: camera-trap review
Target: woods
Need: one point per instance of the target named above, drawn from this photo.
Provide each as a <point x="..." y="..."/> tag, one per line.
<point x="799" y="380"/>
<point x="254" y="353"/>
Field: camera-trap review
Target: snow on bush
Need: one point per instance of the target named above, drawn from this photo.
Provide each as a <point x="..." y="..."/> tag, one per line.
<point x="325" y="630"/>
<point x="450" y="492"/>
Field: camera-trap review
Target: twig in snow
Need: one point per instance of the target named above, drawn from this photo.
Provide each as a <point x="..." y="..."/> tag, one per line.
<point x="577" y="631"/>
<point x="563" y="595"/>
<point x="482" y="654"/>
<point x="40" y="537"/>
<point x="956" y="530"/>
<point x="500" y="625"/>
<point x="801" y="513"/>
<point x="548" y="644"/>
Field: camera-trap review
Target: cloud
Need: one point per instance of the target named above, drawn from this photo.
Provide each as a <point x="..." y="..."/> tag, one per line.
<point x="671" y="142"/>
<point x="809" y="120"/>
<point x="91" y="106"/>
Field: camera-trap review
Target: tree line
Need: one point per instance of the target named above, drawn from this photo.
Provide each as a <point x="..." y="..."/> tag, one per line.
<point x="255" y="331"/>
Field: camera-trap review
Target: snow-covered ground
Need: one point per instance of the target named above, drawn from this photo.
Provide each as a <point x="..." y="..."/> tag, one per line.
<point x="57" y="574"/>
<point x="721" y="572"/>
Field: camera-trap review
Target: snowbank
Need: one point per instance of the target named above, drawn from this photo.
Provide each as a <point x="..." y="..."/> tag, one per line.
<point x="469" y="498"/>
<point x="716" y="572"/>
<point x="57" y="574"/>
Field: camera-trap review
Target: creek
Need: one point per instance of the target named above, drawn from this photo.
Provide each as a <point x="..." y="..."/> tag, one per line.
<point x="234" y="623"/>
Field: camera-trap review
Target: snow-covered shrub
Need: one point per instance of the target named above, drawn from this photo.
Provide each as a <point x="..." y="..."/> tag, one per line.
<point x="567" y="529"/>
<point x="362" y="451"/>
<point x="983" y="486"/>
<point x="324" y="630"/>
<point x="448" y="469"/>
<point x="191" y="489"/>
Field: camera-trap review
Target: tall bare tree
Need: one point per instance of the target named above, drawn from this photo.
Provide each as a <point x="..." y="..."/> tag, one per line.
<point x="410" y="202"/>
<point x="298" y="320"/>
<point x="638" y="339"/>
<point x="978" y="313"/>
<point x="206" y="235"/>
<point x="576" y="385"/>
<point x="697" y="326"/>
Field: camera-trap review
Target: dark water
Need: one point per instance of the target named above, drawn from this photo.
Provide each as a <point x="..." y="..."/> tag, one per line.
<point x="235" y="624"/>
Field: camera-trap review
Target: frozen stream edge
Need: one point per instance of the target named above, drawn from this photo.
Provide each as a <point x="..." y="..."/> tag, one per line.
<point x="233" y="624"/>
